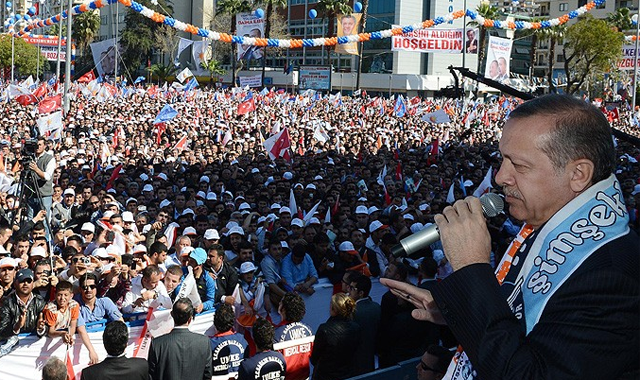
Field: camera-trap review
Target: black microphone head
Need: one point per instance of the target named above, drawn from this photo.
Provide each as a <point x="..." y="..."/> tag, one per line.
<point x="492" y="204"/>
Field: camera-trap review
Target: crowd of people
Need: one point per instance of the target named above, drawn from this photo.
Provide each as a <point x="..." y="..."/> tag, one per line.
<point x="194" y="214"/>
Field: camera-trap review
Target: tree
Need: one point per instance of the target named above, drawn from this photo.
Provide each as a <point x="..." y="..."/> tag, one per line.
<point x="84" y="29"/>
<point x="163" y="71"/>
<point x="25" y="56"/>
<point x="331" y="9"/>
<point x="486" y="10"/>
<point x="213" y="66"/>
<point x="141" y="35"/>
<point x="620" y="19"/>
<point x="272" y="5"/>
<point x="232" y="8"/>
<point x="554" y="34"/>
<point x="591" y="47"/>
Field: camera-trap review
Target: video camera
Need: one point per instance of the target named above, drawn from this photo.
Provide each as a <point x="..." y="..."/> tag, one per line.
<point x="28" y="152"/>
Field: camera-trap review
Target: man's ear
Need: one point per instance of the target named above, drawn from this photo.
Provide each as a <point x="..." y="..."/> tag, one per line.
<point x="581" y="172"/>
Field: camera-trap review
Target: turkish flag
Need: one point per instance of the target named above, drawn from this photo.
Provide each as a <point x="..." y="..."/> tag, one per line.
<point x="246" y="106"/>
<point x="50" y="104"/>
<point x="88" y="77"/>
<point x="26" y="99"/>
<point x="71" y="373"/>
<point x="41" y="91"/>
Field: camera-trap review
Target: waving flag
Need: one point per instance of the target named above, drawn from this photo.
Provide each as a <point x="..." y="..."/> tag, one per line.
<point x="400" y="108"/>
<point x="50" y="104"/>
<point x="247" y="105"/>
<point x="180" y="145"/>
<point x="139" y="79"/>
<point x="485" y="185"/>
<point x="166" y="113"/>
<point x="26" y="99"/>
<point x="41" y="91"/>
<point x="278" y="145"/>
<point x="193" y="83"/>
<point x="52" y="81"/>
<point x="436" y="117"/>
<point x="50" y="123"/>
<point x="184" y="74"/>
<point x="86" y="78"/>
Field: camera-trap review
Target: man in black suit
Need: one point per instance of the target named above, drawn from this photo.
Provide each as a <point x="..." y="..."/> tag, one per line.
<point x="180" y="354"/>
<point x="565" y="300"/>
<point x="367" y="315"/>
<point x="117" y="366"/>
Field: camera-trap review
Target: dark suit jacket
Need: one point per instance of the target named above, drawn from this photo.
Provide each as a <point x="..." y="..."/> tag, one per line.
<point x="589" y="329"/>
<point x="117" y="369"/>
<point x="367" y="315"/>
<point x="180" y="354"/>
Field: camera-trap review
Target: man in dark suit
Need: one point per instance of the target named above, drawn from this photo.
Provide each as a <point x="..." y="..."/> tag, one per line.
<point x="116" y="366"/>
<point x="180" y="354"/>
<point x="367" y="315"/>
<point x="565" y="300"/>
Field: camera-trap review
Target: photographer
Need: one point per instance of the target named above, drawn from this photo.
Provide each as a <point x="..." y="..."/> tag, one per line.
<point x="43" y="166"/>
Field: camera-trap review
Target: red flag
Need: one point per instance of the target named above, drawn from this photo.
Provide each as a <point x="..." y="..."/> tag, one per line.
<point x="71" y="374"/>
<point x="26" y="99"/>
<point x="50" y="104"/>
<point x="181" y="143"/>
<point x="114" y="176"/>
<point x="161" y="128"/>
<point x="387" y="197"/>
<point x="433" y="154"/>
<point x="111" y="88"/>
<point x="41" y="91"/>
<point x="86" y="78"/>
<point x="247" y="106"/>
<point x="399" y="171"/>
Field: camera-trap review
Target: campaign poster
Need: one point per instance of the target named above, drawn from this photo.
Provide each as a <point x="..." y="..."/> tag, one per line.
<point x="348" y="25"/>
<point x="435" y="41"/>
<point x="628" y="55"/>
<point x="49" y="47"/>
<point x="251" y="81"/>
<point x="498" y="59"/>
<point x="104" y="56"/>
<point x="315" y="78"/>
<point x="248" y="25"/>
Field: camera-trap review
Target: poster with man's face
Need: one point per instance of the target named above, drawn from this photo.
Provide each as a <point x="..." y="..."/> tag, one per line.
<point x="348" y="25"/>
<point x="498" y="57"/>
<point x="104" y="56"/>
<point x="248" y="25"/>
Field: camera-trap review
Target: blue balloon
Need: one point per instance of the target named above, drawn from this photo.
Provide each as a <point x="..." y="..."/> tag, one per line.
<point x="18" y="17"/>
<point x="259" y="13"/>
<point x="31" y="11"/>
<point x="8" y="4"/>
<point x="313" y="13"/>
<point x="27" y="17"/>
<point x="357" y="7"/>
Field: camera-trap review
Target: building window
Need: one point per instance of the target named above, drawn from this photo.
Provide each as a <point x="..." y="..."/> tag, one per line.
<point x="560" y="58"/>
<point x="564" y="7"/>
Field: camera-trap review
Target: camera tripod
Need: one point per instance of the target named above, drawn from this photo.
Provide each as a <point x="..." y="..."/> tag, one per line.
<point x="29" y="181"/>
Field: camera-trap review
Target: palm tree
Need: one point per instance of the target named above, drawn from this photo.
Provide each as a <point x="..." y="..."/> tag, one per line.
<point x="163" y="71"/>
<point x="272" y="5"/>
<point x="620" y="19"/>
<point x="554" y="34"/>
<point x="213" y="66"/>
<point x="486" y="10"/>
<point x="535" y="35"/>
<point x="330" y="9"/>
<point x="232" y="8"/>
<point x="85" y="27"/>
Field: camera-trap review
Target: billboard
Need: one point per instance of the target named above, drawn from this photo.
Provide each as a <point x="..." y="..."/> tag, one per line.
<point x="435" y="41"/>
<point x="315" y="78"/>
<point x="248" y="25"/>
<point x="49" y="47"/>
<point x="498" y="59"/>
<point x="348" y="25"/>
<point x="628" y="54"/>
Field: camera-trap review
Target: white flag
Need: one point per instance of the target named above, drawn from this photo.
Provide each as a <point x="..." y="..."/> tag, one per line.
<point x="485" y="185"/>
<point x="320" y="135"/>
<point x="198" y="51"/>
<point x="183" y="44"/>
<point x="436" y="117"/>
<point x="50" y="123"/>
<point x="184" y="74"/>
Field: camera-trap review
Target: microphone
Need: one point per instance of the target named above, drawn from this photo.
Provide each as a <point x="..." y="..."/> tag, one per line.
<point x="492" y="205"/>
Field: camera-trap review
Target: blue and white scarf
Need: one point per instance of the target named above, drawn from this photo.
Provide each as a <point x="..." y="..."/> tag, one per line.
<point x="591" y="220"/>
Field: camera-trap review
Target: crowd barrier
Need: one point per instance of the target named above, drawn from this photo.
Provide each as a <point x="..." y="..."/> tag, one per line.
<point x="31" y="353"/>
